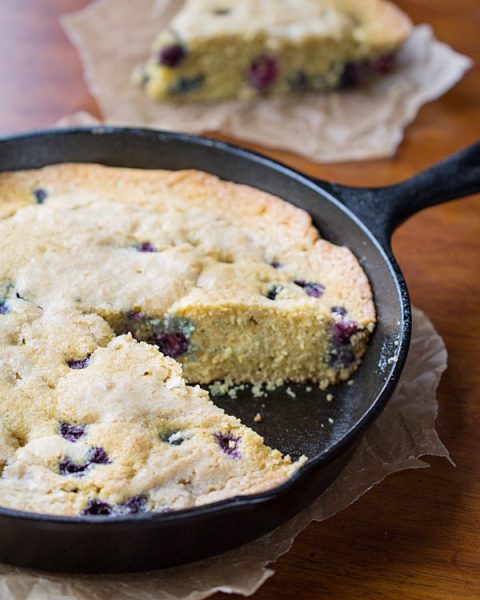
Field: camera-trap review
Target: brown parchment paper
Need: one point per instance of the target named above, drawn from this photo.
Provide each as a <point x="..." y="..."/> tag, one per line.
<point x="112" y="36"/>
<point x="403" y="433"/>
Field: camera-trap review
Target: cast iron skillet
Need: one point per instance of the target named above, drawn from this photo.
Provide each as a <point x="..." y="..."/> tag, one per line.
<point x="327" y="432"/>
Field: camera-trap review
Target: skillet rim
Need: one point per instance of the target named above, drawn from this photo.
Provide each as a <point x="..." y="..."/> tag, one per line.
<point x="354" y="433"/>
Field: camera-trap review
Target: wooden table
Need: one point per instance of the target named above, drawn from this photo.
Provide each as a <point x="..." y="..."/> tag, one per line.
<point x="417" y="535"/>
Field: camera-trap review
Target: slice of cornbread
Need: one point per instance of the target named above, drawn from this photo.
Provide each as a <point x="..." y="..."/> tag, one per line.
<point x="220" y="49"/>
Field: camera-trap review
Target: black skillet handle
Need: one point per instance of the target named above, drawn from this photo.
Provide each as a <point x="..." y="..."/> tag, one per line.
<point x="384" y="209"/>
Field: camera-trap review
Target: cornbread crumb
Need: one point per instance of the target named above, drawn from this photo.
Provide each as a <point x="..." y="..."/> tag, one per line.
<point x="329" y="397"/>
<point x="258" y="418"/>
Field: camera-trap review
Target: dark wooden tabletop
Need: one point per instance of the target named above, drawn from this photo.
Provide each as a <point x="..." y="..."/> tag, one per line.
<point x="417" y="535"/>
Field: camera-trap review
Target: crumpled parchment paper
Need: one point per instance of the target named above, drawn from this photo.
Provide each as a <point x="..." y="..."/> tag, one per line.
<point x="113" y="36"/>
<point x="403" y="433"/>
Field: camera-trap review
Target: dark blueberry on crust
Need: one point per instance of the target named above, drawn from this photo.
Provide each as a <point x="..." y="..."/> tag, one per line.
<point x="171" y="56"/>
<point x="68" y="467"/>
<point x="229" y="444"/>
<point x="146" y="247"/>
<point x="98" y="456"/>
<point x="276" y="265"/>
<point x="263" y="72"/>
<point x="132" y="506"/>
<point x="97" y="508"/>
<point x="71" y="433"/>
<point x="339" y="310"/>
<point x="80" y="363"/>
<point x="186" y="84"/>
<point x="273" y="291"/>
<point x="40" y="195"/>
<point x="3" y="307"/>
<point x="315" y="290"/>
<point x="172" y="344"/>
<point x="299" y="81"/>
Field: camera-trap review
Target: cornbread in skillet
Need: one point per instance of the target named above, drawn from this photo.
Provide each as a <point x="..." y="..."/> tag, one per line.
<point x="219" y="49"/>
<point x="106" y="276"/>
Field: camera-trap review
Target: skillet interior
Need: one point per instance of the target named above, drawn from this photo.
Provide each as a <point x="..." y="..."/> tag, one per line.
<point x="300" y="425"/>
<point x="306" y="424"/>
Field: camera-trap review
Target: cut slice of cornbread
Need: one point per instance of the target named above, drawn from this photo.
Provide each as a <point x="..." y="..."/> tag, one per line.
<point x="220" y="49"/>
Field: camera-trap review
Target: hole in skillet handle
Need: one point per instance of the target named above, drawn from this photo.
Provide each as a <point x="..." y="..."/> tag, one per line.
<point x="383" y="209"/>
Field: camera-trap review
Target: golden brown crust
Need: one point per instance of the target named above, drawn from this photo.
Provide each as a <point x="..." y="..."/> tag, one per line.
<point x="242" y="204"/>
<point x="385" y="25"/>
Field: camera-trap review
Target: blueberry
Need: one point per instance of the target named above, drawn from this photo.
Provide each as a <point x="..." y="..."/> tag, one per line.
<point x="70" y="432"/>
<point x="171" y="56"/>
<point x="273" y="291"/>
<point x="134" y="315"/>
<point x="276" y="265"/>
<point x="229" y="444"/>
<point x="67" y="467"/>
<point x="315" y="290"/>
<point x="263" y="72"/>
<point x="98" y="456"/>
<point x="172" y="344"/>
<point x="355" y="73"/>
<point x="146" y="247"/>
<point x="40" y="195"/>
<point x="343" y="331"/>
<point x="342" y="353"/>
<point x="341" y="358"/>
<point x="3" y="307"/>
<point x="383" y="64"/>
<point x="80" y="363"/>
<point x="132" y="506"/>
<point x="97" y="507"/>
<point x="299" y="81"/>
<point x="186" y="84"/>
<point x="339" y="310"/>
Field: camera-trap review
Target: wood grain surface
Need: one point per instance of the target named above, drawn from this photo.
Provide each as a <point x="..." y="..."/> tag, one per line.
<point x="417" y="535"/>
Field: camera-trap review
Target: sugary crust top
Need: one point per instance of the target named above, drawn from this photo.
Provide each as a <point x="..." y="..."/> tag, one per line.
<point x="223" y="235"/>
<point x="375" y="23"/>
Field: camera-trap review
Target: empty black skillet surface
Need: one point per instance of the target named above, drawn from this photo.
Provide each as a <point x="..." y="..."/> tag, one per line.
<point x="327" y="432"/>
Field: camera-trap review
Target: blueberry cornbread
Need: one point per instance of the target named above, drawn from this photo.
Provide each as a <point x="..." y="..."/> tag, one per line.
<point x="109" y="279"/>
<point x="220" y="49"/>
<point x="98" y="424"/>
